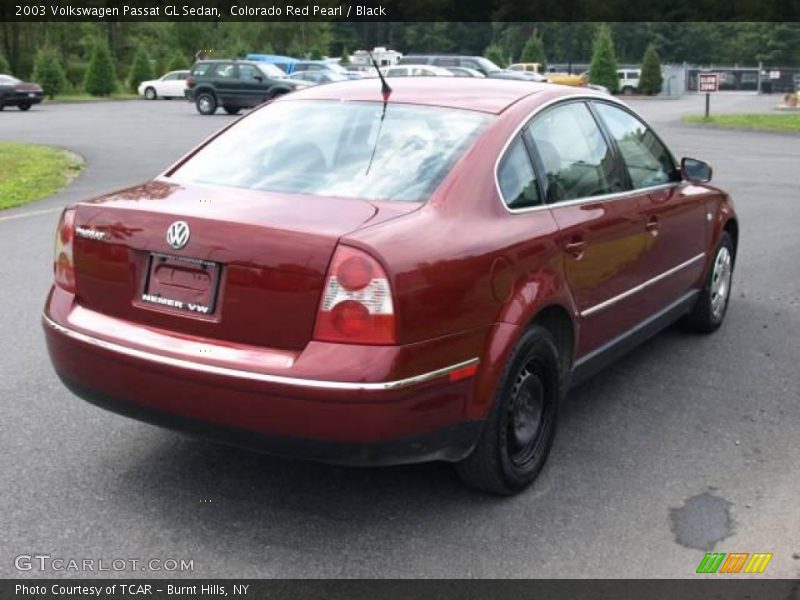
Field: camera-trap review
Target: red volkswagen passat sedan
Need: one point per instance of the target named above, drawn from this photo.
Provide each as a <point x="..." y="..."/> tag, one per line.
<point x="343" y="279"/>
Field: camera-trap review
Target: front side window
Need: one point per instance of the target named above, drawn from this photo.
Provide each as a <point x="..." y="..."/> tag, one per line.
<point x="517" y="179"/>
<point x="344" y="149"/>
<point x="577" y="161"/>
<point x="648" y="161"/>
<point x="248" y="73"/>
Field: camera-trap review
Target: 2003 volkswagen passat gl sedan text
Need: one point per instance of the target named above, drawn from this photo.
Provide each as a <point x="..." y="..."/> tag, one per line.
<point x="346" y="279"/>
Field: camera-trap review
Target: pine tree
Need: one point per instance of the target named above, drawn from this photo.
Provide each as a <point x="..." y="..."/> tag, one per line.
<point x="48" y="72"/>
<point x="101" y="75"/>
<point x="533" y="51"/>
<point x="495" y="54"/>
<point x="177" y="63"/>
<point x="141" y="69"/>
<point x="345" y="59"/>
<point x="5" y="68"/>
<point x="603" y="70"/>
<point x="650" y="80"/>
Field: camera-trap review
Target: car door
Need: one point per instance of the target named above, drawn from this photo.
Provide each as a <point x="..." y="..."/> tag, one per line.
<point x="675" y="221"/>
<point x="177" y="84"/>
<point x="226" y="83"/>
<point x="601" y="222"/>
<point x="167" y="86"/>
<point x="253" y="86"/>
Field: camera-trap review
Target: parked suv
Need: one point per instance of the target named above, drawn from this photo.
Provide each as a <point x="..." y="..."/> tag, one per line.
<point x="235" y="84"/>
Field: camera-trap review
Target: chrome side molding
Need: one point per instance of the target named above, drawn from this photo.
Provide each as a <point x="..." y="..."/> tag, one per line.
<point x="252" y="375"/>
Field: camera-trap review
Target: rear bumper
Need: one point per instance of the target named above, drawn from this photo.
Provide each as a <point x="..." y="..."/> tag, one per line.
<point x="396" y="420"/>
<point x="451" y="443"/>
<point x="22" y="98"/>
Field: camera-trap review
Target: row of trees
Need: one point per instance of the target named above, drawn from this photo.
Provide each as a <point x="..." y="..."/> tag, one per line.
<point x="76" y="46"/>
<point x="603" y="69"/>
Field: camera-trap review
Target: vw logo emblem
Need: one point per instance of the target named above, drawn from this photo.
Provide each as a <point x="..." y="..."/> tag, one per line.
<point x="178" y="234"/>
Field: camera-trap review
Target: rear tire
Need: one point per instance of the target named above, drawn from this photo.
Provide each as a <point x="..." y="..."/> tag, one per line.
<point x="24" y="106"/>
<point x="150" y="93"/>
<point x="712" y="304"/>
<point x="206" y="103"/>
<point x="521" y="426"/>
<point x="627" y="91"/>
<point x="232" y="110"/>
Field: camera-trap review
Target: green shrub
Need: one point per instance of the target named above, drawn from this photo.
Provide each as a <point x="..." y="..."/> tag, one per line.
<point x="651" y="79"/>
<point x="5" y="68"/>
<point x="100" y="76"/>
<point x="495" y="54"/>
<point x="76" y="74"/>
<point x="533" y="51"/>
<point x="603" y="70"/>
<point x="178" y="62"/>
<point x="141" y="69"/>
<point x="48" y="72"/>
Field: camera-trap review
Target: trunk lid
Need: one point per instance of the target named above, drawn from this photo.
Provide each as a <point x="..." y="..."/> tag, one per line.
<point x="272" y="252"/>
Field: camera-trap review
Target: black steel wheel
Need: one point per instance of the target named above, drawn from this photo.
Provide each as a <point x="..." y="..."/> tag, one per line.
<point x="521" y="426"/>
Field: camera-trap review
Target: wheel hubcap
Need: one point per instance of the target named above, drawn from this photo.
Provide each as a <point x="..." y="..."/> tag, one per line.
<point x="526" y="412"/>
<point x="720" y="282"/>
<point x="205" y="104"/>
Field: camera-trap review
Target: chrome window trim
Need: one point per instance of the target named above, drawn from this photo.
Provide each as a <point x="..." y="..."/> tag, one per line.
<point x="576" y="201"/>
<point x="251" y="375"/>
<point x="642" y="286"/>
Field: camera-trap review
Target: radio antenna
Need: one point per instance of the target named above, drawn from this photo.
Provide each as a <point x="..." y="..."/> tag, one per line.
<point x="386" y="91"/>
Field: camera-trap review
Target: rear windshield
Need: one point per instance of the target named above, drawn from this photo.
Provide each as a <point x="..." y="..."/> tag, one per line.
<point x="345" y="149"/>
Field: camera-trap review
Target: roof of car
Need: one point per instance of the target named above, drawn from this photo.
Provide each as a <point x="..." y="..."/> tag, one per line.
<point x="486" y="95"/>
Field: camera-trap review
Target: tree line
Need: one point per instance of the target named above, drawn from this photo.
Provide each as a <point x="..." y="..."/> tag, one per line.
<point x="103" y="57"/>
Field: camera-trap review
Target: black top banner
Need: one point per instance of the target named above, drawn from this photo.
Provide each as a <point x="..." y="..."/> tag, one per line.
<point x="400" y="10"/>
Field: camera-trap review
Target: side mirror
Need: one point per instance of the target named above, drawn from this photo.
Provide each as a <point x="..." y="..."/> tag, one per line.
<point x="695" y="170"/>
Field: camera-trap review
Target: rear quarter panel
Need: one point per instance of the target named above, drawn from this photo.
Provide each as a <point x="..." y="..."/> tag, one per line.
<point x="463" y="266"/>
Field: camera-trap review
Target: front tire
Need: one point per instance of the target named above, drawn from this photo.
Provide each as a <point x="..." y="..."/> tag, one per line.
<point x="712" y="304"/>
<point x="521" y="426"/>
<point x="150" y="93"/>
<point x="206" y="104"/>
<point x="24" y="106"/>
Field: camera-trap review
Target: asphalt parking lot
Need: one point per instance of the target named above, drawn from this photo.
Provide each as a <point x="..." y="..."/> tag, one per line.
<point x="690" y="443"/>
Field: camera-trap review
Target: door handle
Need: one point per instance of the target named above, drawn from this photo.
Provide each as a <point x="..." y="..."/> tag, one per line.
<point x="576" y="247"/>
<point x="652" y="226"/>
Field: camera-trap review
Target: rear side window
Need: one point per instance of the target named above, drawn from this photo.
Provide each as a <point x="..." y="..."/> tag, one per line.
<point x="201" y="69"/>
<point x="517" y="179"/>
<point x="344" y="149"/>
<point x="224" y="71"/>
<point x="577" y="161"/>
<point x="648" y="161"/>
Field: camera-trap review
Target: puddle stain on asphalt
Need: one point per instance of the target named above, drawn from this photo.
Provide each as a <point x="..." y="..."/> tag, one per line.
<point x="702" y="522"/>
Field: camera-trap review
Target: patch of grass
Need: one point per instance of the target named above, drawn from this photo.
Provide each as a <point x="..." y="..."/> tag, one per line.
<point x="761" y="122"/>
<point x="29" y="172"/>
<point x="90" y="98"/>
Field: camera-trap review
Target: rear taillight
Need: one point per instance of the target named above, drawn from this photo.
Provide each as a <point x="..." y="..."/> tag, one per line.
<point x="63" y="264"/>
<point x="356" y="305"/>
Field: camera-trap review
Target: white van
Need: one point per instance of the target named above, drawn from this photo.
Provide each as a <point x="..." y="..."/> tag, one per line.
<point x="629" y="80"/>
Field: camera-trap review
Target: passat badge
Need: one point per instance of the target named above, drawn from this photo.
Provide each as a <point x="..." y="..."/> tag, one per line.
<point x="178" y="234"/>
